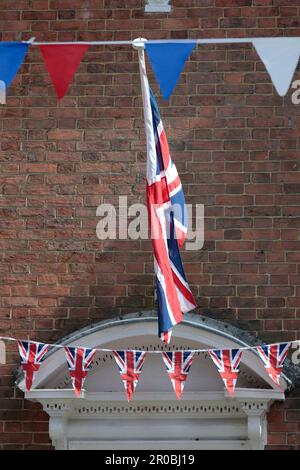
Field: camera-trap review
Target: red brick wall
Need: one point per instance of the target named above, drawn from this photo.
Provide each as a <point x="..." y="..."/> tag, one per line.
<point x="235" y="144"/>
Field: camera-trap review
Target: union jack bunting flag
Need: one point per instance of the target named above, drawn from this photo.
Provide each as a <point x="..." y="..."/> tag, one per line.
<point x="79" y="362"/>
<point x="130" y="365"/>
<point x="168" y="219"/>
<point x="273" y="356"/>
<point x="227" y="362"/>
<point x="178" y="365"/>
<point x="32" y="355"/>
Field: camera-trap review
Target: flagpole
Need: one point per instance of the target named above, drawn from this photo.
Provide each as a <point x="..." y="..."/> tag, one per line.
<point x="139" y="45"/>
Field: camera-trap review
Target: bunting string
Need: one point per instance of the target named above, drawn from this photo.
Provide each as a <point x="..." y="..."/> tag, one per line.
<point x="242" y="348"/>
<point x="130" y="363"/>
<point x="280" y="56"/>
<point x="141" y="42"/>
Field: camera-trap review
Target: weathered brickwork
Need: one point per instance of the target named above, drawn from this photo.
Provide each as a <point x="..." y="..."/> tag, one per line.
<point x="236" y="147"/>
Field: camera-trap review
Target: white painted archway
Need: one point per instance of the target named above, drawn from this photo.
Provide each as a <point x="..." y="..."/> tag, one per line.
<point x="205" y="418"/>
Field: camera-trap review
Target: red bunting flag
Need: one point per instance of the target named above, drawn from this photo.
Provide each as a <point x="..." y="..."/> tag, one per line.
<point x="79" y="363"/>
<point x="227" y="362"/>
<point x="32" y="355"/>
<point x="178" y="365"/>
<point x="62" y="61"/>
<point x="273" y="356"/>
<point x="130" y="365"/>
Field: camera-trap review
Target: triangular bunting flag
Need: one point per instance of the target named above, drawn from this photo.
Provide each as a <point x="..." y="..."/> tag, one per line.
<point x="273" y="356"/>
<point x="32" y="355"/>
<point x="11" y="58"/>
<point x="227" y="362"/>
<point x="280" y="57"/>
<point x="178" y="365"/>
<point x="130" y="365"/>
<point x="62" y="61"/>
<point x="79" y="362"/>
<point x="167" y="61"/>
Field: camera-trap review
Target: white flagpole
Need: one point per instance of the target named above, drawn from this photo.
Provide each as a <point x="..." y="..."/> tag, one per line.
<point x="139" y="45"/>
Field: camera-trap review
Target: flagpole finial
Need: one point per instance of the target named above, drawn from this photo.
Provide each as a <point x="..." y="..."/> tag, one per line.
<point x="139" y="43"/>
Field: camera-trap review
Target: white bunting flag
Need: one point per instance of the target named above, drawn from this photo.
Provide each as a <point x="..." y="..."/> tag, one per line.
<point x="280" y="57"/>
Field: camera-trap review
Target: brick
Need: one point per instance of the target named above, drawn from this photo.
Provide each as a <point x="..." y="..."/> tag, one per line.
<point x="233" y="3"/>
<point x="64" y="135"/>
<point x="277" y="439"/>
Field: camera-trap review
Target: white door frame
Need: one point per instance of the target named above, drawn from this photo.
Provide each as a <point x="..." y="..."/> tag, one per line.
<point x="207" y="420"/>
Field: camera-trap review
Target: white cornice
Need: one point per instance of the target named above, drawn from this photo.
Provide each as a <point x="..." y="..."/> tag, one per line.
<point x="240" y="394"/>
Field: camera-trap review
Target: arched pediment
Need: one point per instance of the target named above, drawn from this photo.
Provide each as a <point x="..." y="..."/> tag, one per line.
<point x="204" y="397"/>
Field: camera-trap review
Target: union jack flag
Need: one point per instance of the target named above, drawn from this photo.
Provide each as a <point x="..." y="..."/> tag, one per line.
<point x="273" y="356"/>
<point x="130" y="365"/>
<point x="178" y="365"/>
<point x="32" y="355"/>
<point x="227" y="362"/>
<point x="167" y="215"/>
<point x="79" y="362"/>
